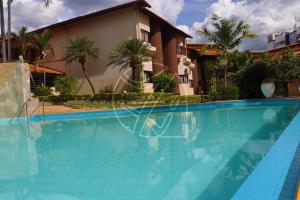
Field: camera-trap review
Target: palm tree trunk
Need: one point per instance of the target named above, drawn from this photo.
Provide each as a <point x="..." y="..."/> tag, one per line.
<point x="9" y="30"/>
<point x="225" y="76"/>
<point x="87" y="78"/>
<point x="226" y="69"/>
<point x="3" y="31"/>
<point x="133" y="76"/>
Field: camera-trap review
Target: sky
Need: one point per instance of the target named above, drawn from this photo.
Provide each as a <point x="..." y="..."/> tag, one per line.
<point x="264" y="16"/>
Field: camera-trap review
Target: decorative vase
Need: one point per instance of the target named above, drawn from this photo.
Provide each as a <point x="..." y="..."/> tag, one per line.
<point x="268" y="89"/>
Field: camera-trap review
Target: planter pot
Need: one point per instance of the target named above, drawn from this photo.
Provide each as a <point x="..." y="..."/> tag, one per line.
<point x="268" y="89"/>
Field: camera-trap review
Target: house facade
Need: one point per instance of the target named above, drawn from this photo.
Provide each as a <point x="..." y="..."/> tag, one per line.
<point x="109" y="27"/>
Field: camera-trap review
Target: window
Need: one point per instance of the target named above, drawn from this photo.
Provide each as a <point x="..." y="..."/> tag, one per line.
<point x="183" y="78"/>
<point x="181" y="50"/>
<point x="147" y="77"/>
<point x="298" y="37"/>
<point x="145" y="35"/>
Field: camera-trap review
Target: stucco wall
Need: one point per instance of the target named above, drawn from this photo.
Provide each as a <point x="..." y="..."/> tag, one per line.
<point x="106" y="31"/>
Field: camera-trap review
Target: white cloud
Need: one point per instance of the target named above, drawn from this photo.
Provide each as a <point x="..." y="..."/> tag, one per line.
<point x="33" y="14"/>
<point x="169" y="9"/>
<point x="264" y="16"/>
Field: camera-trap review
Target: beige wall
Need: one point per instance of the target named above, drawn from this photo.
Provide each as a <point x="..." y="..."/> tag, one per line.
<point x="106" y="31"/>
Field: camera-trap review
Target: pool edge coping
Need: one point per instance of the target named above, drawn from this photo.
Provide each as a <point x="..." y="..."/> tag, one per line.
<point x="268" y="178"/>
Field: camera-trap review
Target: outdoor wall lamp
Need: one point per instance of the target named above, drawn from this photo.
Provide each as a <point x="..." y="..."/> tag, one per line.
<point x="125" y="97"/>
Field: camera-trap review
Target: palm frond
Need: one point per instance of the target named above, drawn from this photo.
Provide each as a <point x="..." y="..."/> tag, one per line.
<point x="80" y="47"/>
<point x="47" y="3"/>
<point x="131" y="52"/>
<point x="228" y="33"/>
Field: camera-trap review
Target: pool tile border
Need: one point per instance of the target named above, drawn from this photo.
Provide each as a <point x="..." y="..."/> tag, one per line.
<point x="150" y="110"/>
<point x="159" y="109"/>
<point x="267" y="180"/>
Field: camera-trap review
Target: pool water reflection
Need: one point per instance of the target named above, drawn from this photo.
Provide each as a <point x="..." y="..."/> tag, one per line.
<point x="203" y="154"/>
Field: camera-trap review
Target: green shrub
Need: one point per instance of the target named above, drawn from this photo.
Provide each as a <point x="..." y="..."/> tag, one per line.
<point x="249" y="79"/>
<point x="130" y="96"/>
<point x="228" y="93"/>
<point x="164" y="82"/>
<point x="160" y="98"/>
<point x="178" y="99"/>
<point x="63" y="99"/>
<point x="42" y="91"/>
<point x="66" y="85"/>
<point x="213" y="93"/>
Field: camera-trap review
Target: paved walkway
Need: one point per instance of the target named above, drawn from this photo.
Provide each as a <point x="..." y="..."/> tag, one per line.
<point x="64" y="109"/>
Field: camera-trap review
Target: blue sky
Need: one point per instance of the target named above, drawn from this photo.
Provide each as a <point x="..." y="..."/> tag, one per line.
<point x="193" y="11"/>
<point x="264" y="16"/>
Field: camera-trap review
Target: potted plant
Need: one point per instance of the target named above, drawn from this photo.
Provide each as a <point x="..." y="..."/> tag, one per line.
<point x="268" y="87"/>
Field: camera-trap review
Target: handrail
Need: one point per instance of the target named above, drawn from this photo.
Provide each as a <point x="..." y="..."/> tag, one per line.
<point x="25" y="105"/>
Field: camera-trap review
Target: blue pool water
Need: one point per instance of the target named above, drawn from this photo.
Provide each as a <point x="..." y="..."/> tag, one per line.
<point x="199" y="154"/>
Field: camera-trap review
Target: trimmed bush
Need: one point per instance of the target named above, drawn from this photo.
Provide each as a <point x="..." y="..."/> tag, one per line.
<point x="229" y="93"/>
<point x="164" y="82"/>
<point x="161" y="98"/>
<point x="66" y="85"/>
<point x="63" y="99"/>
<point x="42" y="91"/>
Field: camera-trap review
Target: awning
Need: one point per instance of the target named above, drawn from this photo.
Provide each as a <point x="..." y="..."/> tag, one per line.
<point x="40" y="69"/>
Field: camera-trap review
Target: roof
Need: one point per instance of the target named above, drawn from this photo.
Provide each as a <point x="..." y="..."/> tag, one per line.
<point x="295" y="48"/>
<point x="205" y="49"/>
<point x="40" y="69"/>
<point x="140" y="3"/>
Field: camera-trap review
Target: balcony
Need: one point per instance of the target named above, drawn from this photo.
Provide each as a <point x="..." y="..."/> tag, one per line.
<point x="152" y="48"/>
<point x="184" y="61"/>
<point x="185" y="89"/>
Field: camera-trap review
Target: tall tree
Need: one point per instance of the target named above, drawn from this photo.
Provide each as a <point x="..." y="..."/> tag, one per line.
<point x="80" y="49"/>
<point x="9" y="2"/>
<point x="131" y="53"/>
<point x="42" y="44"/>
<point x="23" y="39"/>
<point x="227" y="34"/>
<point x="3" y="31"/>
<point x="9" y="30"/>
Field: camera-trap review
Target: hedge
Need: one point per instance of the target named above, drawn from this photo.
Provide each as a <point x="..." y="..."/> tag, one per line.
<point x="164" y="98"/>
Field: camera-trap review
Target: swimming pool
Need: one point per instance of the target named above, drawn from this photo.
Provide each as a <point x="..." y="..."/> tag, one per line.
<point x="202" y="151"/>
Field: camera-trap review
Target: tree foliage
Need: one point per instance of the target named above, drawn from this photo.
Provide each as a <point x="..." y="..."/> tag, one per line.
<point x="131" y="53"/>
<point x="23" y="39"/>
<point x="226" y="34"/>
<point x="80" y="49"/>
<point x="66" y="85"/>
<point x="164" y="82"/>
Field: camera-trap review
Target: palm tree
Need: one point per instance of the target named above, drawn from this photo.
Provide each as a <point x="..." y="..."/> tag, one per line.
<point x="42" y="44"/>
<point x="80" y="49"/>
<point x="3" y="31"/>
<point x="9" y="30"/>
<point x="23" y="37"/>
<point x="131" y="53"/>
<point x="227" y="35"/>
<point x="9" y="2"/>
